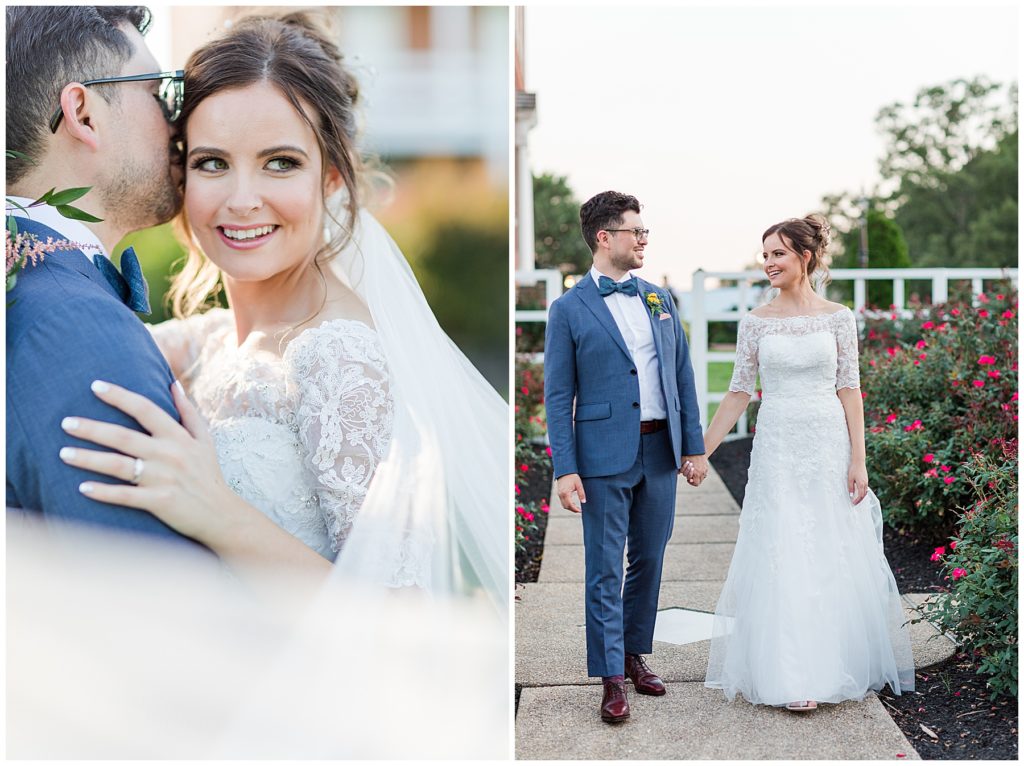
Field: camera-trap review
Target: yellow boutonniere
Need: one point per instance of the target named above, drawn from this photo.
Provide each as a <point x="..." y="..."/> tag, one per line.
<point x="654" y="304"/>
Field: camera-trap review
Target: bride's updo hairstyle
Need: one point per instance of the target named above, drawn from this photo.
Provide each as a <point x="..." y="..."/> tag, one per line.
<point x="296" y="54"/>
<point x="812" y="233"/>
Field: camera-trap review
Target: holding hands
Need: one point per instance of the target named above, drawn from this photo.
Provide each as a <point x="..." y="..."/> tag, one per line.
<point x="695" y="468"/>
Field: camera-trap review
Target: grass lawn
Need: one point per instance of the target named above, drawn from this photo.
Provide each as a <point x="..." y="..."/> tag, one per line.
<point x="719" y="375"/>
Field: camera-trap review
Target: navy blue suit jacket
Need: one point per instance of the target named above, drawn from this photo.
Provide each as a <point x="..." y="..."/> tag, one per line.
<point x="587" y="362"/>
<point x="66" y="328"/>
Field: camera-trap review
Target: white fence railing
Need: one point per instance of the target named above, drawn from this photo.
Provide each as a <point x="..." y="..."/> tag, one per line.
<point x="552" y="279"/>
<point x="701" y="355"/>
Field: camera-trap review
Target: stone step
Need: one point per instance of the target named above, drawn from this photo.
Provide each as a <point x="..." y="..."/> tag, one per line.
<point x="687" y="561"/>
<point x="694" y="723"/>
<point x="551" y="639"/>
<point x="717" y="528"/>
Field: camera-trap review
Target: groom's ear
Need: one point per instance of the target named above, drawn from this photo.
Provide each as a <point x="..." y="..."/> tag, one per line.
<point x="77" y="103"/>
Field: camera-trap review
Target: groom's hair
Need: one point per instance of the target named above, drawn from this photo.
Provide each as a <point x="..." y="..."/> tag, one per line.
<point x="604" y="210"/>
<point x="49" y="46"/>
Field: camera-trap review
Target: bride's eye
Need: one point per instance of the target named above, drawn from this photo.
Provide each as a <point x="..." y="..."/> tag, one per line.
<point x="282" y="164"/>
<point x="209" y="164"/>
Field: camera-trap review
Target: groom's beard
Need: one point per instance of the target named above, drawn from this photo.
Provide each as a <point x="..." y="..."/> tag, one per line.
<point x="136" y="197"/>
<point x="626" y="261"/>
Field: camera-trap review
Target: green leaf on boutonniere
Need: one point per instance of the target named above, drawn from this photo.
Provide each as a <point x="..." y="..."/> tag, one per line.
<point x="68" y="195"/>
<point x="78" y="215"/>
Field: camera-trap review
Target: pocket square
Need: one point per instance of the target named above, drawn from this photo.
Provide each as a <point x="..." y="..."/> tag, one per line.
<point x="662" y="317"/>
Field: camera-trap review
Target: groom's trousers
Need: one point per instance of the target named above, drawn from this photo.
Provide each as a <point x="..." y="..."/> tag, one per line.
<point x="632" y="510"/>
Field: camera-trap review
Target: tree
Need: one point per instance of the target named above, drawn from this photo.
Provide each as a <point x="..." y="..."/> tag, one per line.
<point x="949" y="177"/>
<point x="887" y="249"/>
<point x="556" y="223"/>
<point x="968" y="217"/>
<point x="944" y="128"/>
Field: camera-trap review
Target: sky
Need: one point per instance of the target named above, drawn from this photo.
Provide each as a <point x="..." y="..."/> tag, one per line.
<point x="724" y="120"/>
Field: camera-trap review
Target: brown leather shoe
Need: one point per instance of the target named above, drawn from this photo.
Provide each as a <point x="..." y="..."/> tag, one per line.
<point x="643" y="678"/>
<point x="614" y="706"/>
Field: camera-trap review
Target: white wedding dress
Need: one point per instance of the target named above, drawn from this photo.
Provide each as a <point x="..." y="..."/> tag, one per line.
<point x="809" y="609"/>
<point x="298" y="434"/>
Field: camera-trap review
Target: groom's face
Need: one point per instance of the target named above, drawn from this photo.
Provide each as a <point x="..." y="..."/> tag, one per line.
<point x="626" y="251"/>
<point x="139" y="185"/>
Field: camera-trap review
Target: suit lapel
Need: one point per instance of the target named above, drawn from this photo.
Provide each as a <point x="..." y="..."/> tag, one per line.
<point x="593" y="301"/>
<point x="645" y="288"/>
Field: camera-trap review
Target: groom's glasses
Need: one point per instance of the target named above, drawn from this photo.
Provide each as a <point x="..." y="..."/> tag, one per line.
<point x="638" y="233"/>
<point x="170" y="97"/>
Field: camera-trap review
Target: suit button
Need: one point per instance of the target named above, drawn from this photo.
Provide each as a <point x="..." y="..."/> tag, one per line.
<point x="632" y="372"/>
<point x="636" y="405"/>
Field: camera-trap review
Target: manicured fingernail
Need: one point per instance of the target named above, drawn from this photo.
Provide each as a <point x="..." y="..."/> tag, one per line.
<point x="67" y="453"/>
<point x="181" y="388"/>
<point x="99" y="387"/>
<point x="85" y="487"/>
<point x="69" y="424"/>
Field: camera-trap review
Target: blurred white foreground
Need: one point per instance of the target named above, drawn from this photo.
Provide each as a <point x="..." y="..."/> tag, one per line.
<point x="125" y="648"/>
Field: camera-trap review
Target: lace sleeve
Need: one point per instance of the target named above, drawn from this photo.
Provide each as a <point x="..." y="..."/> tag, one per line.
<point x="848" y="366"/>
<point x="744" y="372"/>
<point x="344" y="416"/>
<point x="180" y="340"/>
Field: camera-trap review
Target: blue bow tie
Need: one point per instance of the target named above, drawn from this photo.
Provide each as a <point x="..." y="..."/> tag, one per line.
<point x="606" y="286"/>
<point x="129" y="283"/>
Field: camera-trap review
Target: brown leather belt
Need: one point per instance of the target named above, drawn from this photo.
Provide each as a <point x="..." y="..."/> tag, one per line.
<point x="652" y="426"/>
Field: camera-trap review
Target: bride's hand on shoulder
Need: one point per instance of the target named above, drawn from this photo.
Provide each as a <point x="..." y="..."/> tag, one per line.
<point x="172" y="469"/>
<point x="857" y="481"/>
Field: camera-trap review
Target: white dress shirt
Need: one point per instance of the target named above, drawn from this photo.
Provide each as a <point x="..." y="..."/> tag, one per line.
<point x="69" y="229"/>
<point x="634" y="323"/>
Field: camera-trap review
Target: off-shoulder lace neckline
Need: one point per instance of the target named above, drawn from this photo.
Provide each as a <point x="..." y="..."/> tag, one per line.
<point x="799" y="316"/>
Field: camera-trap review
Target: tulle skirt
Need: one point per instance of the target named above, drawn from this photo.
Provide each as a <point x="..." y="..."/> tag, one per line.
<point x="809" y="609"/>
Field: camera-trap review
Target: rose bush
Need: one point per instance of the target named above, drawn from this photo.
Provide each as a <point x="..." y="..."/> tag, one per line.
<point x="941" y="415"/>
<point x="939" y="387"/>
<point x="529" y="452"/>
<point x="981" y="562"/>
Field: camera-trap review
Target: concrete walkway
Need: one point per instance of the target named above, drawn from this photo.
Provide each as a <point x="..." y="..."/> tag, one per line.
<point x="558" y="710"/>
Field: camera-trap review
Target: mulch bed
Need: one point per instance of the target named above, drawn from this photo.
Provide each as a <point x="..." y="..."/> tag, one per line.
<point x="951" y="700"/>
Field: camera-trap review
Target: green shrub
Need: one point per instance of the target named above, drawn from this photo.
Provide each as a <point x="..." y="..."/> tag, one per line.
<point x="530" y="430"/>
<point x="938" y="387"/>
<point x="981" y="564"/>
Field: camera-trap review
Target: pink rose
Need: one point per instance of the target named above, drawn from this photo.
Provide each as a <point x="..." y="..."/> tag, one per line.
<point x="928" y="325"/>
<point x="957" y="574"/>
<point x="945" y="468"/>
<point x="978" y="383"/>
<point x="983" y="359"/>
<point x="1008" y="314"/>
<point x="955" y="312"/>
<point x="548" y="450"/>
<point x="932" y="473"/>
<point x="929" y="457"/>
<point x="993" y="373"/>
<point x="949" y="479"/>
<point x="892" y="351"/>
<point x="922" y="344"/>
<point x="982" y="313"/>
<point x="939" y="553"/>
<point x="891" y="418"/>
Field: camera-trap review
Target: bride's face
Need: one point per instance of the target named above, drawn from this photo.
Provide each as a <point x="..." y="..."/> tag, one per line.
<point x="781" y="264"/>
<point x="254" y="188"/>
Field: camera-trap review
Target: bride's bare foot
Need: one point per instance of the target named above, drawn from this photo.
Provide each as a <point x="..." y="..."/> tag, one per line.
<point x="802" y="706"/>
